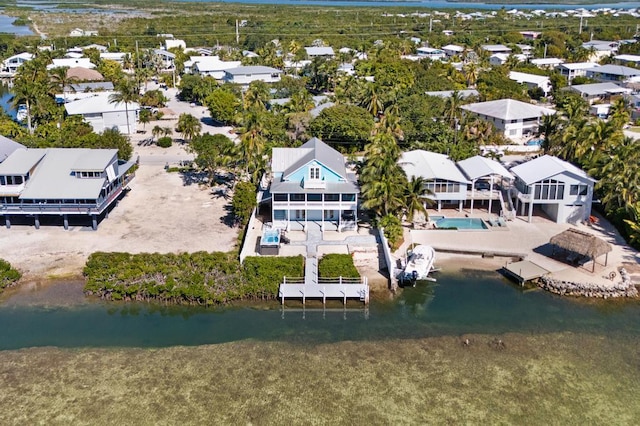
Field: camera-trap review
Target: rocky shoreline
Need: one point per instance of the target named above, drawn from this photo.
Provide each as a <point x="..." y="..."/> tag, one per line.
<point x="624" y="288"/>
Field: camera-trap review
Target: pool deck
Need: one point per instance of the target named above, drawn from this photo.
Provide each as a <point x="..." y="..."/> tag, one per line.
<point x="521" y="240"/>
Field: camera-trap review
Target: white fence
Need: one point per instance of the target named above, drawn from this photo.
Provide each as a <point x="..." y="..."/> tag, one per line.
<point x="248" y="249"/>
<point x="388" y="258"/>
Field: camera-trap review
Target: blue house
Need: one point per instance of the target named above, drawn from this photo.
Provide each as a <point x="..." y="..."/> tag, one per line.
<point x="311" y="185"/>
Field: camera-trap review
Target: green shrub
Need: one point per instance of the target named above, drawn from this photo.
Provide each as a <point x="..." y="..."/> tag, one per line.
<point x="392" y="230"/>
<point x="187" y="278"/>
<point x="337" y="265"/>
<point x="164" y="142"/>
<point x="8" y="275"/>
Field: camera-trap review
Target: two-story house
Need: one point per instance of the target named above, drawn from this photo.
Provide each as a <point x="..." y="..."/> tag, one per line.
<point x="562" y="190"/>
<point x="244" y="75"/>
<point x="12" y="63"/>
<point x="311" y="184"/>
<point x="61" y="182"/>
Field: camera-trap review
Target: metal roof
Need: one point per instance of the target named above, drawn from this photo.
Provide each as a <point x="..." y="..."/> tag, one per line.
<point x="21" y="161"/>
<point x="7" y="146"/>
<point x="598" y="88"/>
<point x="508" y="109"/>
<point x="253" y="69"/>
<point x="319" y="51"/>
<point x="465" y="93"/>
<point x="213" y="63"/>
<point x="528" y="78"/>
<point x="52" y="179"/>
<point x="495" y="48"/>
<point x="546" y="167"/>
<point x="479" y="166"/>
<point x="315" y="149"/>
<point x="430" y="165"/>
<point x="615" y="70"/>
<point x="98" y="104"/>
<point x="578" y="65"/>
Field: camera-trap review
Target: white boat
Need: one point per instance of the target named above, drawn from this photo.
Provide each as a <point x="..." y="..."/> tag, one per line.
<point x="21" y="114"/>
<point x="419" y="265"/>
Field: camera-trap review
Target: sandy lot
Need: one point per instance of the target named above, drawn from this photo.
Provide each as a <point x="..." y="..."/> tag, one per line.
<point x="159" y="214"/>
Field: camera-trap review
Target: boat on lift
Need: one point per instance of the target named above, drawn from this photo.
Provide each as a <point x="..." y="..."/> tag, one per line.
<point x="419" y="265"/>
<point x="21" y="114"/>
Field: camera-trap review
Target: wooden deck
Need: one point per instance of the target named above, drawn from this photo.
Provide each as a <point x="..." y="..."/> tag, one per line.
<point x="525" y="270"/>
<point x="313" y="287"/>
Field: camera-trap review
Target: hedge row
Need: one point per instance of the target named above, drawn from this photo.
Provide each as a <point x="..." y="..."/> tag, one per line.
<point x="337" y="265"/>
<point x="187" y="278"/>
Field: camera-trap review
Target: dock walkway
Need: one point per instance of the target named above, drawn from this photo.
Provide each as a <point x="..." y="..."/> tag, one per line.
<point x="525" y="270"/>
<point x="314" y="287"/>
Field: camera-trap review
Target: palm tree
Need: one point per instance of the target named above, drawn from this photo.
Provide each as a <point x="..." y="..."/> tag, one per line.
<point x="256" y="96"/>
<point x="61" y="81"/>
<point x="127" y="92"/>
<point x="370" y="100"/>
<point x="189" y="126"/>
<point x="547" y="130"/>
<point x="144" y="117"/>
<point x="252" y="144"/>
<point x="619" y="111"/>
<point x="470" y="72"/>
<point x="452" y="108"/>
<point x="156" y="131"/>
<point x="417" y="197"/>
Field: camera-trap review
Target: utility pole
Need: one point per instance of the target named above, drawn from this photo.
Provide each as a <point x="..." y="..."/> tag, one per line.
<point x="430" y="24"/>
<point x="237" y="32"/>
<point x="580" y="32"/>
<point x="545" y="50"/>
<point x="137" y="54"/>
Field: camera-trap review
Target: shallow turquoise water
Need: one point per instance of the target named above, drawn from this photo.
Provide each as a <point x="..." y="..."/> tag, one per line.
<point x="470" y="302"/>
<point x="461" y="223"/>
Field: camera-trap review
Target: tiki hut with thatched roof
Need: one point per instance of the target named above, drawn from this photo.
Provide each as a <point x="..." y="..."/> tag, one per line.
<point x="580" y="243"/>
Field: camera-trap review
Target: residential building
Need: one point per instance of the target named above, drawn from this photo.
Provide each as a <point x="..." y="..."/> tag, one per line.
<point x="430" y="53"/>
<point x="526" y="50"/>
<point x="118" y="57"/>
<point x="167" y="59"/>
<point x="578" y="69"/>
<point x="319" y="52"/>
<point x="487" y="177"/>
<point x="209" y="66"/>
<point x="599" y="49"/>
<point x="547" y="63"/>
<point x="530" y="35"/>
<point x="532" y="81"/>
<point x="174" y="43"/>
<point x="612" y="72"/>
<point x="244" y="75"/>
<point x="12" y="63"/>
<point x="515" y="118"/>
<point x="71" y="63"/>
<point x="443" y="178"/>
<point x="501" y="58"/>
<point x="453" y="50"/>
<point x="465" y="93"/>
<point x="7" y="146"/>
<point x="61" y="182"/>
<point x="312" y="184"/>
<point x="496" y="48"/>
<point x="563" y="191"/>
<point x="598" y="91"/>
<point x="79" y="32"/>
<point x="101" y="114"/>
<point x="99" y="47"/>
<point x="600" y="110"/>
<point x="633" y="60"/>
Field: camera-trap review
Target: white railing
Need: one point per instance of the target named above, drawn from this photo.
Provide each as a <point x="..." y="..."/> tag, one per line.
<point x="388" y="258"/>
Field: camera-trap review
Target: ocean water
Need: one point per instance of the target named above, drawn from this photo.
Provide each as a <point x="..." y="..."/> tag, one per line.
<point x="472" y="348"/>
<point x="6" y="26"/>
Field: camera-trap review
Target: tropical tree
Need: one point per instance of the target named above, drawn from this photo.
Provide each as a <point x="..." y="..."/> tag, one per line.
<point x="470" y="72"/>
<point x="156" y="131"/>
<point x="127" y="92"/>
<point x="189" y="126"/>
<point x="253" y="144"/>
<point x="61" y="81"/>
<point x="256" y="96"/>
<point x="452" y="111"/>
<point x="144" y="116"/>
<point x="370" y="100"/>
<point x="417" y="196"/>
<point x="212" y="152"/>
<point x="548" y="129"/>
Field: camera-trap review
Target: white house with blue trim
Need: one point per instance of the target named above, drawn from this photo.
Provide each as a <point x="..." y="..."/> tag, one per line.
<point x="311" y="184"/>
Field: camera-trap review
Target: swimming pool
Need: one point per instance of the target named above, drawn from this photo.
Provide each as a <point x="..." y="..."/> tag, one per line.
<point x="461" y="223"/>
<point x="270" y="237"/>
<point x="535" y="142"/>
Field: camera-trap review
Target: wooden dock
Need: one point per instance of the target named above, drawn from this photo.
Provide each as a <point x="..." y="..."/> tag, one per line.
<point x="313" y="287"/>
<point x="525" y="270"/>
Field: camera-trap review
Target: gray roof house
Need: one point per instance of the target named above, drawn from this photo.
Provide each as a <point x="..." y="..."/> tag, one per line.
<point x="312" y="185"/>
<point x="102" y="114"/>
<point x="244" y="75"/>
<point x="598" y="91"/>
<point x="612" y="72"/>
<point x="319" y="52"/>
<point x="515" y="118"/>
<point x="63" y="182"/>
<point x="445" y="180"/>
<point x="562" y="190"/>
<point x="7" y="146"/>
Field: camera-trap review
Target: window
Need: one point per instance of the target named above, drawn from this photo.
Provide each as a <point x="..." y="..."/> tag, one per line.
<point x="280" y="197"/>
<point x="549" y="190"/>
<point x="314" y="173"/>
<point x="329" y="214"/>
<point x="314" y="197"/>
<point x="348" y="197"/>
<point x="332" y="197"/>
<point x="578" y="190"/>
<point x="297" y="197"/>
